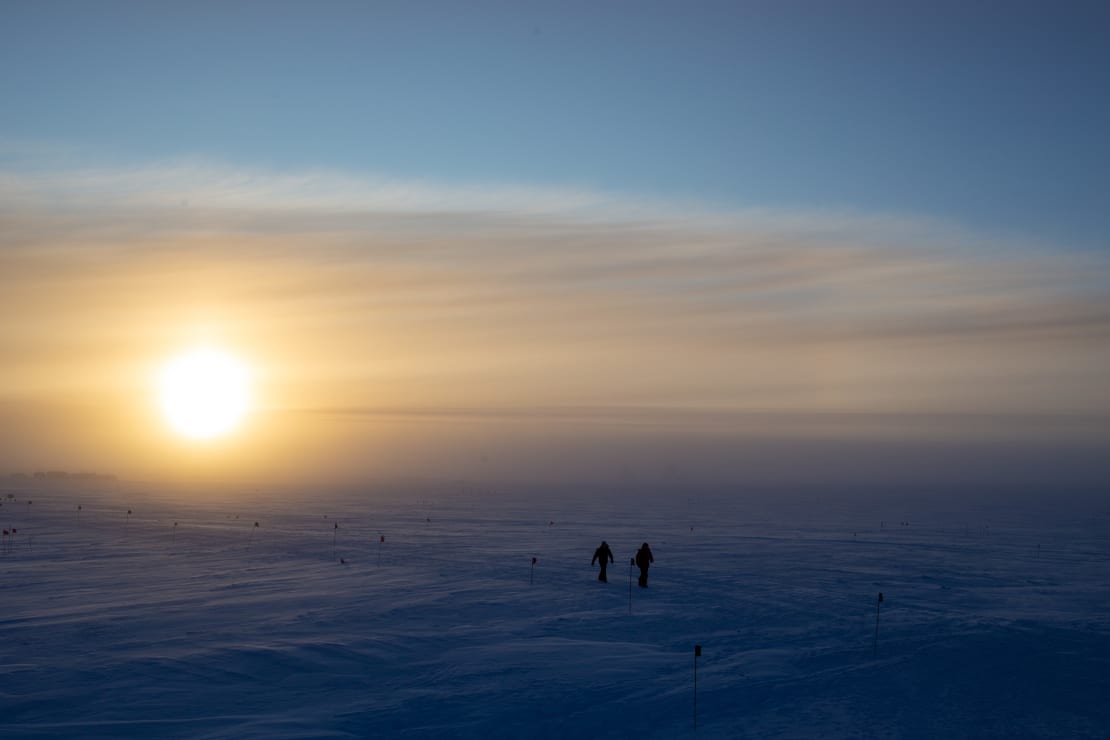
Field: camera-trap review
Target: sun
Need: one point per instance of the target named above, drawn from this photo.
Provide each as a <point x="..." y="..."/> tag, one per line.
<point x="204" y="393"/>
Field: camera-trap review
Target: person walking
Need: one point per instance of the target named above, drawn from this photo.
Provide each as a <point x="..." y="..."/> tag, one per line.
<point x="644" y="560"/>
<point x="605" y="556"/>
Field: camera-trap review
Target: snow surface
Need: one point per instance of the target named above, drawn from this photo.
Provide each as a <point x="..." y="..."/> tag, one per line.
<point x="995" y="623"/>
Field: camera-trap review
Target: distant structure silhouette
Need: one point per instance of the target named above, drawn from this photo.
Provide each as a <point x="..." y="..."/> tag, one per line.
<point x="644" y="560"/>
<point x="605" y="556"/>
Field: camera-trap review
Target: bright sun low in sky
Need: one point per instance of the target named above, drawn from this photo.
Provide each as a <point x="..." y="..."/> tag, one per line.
<point x="204" y="393"/>
<point x="673" y="244"/>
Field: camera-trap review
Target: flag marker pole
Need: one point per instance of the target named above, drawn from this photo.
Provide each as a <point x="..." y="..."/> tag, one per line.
<point x="697" y="654"/>
<point x="631" y="562"/>
<point x="878" y="608"/>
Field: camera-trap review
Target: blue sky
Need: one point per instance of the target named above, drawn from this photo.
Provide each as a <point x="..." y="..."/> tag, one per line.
<point x="989" y="115"/>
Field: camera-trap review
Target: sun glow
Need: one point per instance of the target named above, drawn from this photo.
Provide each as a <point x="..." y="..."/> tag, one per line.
<point x="204" y="393"/>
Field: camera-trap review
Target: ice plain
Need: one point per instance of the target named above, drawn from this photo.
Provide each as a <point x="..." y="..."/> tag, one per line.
<point x="995" y="620"/>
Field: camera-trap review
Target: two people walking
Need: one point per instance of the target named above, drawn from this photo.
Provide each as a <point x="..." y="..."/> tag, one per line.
<point x="643" y="561"/>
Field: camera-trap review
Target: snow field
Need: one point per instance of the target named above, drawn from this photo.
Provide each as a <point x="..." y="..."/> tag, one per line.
<point x="117" y="626"/>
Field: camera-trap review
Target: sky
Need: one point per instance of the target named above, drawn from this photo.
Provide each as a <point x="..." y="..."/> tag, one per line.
<point x="617" y="242"/>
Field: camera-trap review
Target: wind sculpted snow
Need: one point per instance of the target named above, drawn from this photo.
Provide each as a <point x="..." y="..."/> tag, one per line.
<point x="116" y="625"/>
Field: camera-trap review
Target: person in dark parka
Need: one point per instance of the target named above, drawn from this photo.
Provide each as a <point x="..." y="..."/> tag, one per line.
<point x="605" y="556"/>
<point x="643" y="561"/>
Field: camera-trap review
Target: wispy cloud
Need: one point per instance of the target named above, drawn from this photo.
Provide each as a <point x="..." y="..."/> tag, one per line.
<point x="442" y="296"/>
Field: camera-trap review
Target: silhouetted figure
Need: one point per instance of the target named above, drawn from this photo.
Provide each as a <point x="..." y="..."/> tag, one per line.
<point x="643" y="561"/>
<point x="605" y="556"/>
